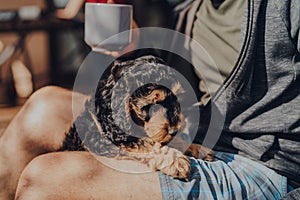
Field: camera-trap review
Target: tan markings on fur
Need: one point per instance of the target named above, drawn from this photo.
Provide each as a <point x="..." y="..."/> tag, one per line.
<point x="157" y="127"/>
<point x="199" y="151"/>
<point x="195" y="150"/>
<point x="177" y="88"/>
<point x="157" y="95"/>
<point x="127" y="106"/>
<point x="96" y="122"/>
<point x="154" y="97"/>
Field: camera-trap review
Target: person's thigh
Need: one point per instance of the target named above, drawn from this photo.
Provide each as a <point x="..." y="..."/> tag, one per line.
<point x="39" y="127"/>
<point x="43" y="121"/>
<point x="78" y="175"/>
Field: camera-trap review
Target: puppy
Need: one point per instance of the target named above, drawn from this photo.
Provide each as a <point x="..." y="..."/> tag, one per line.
<point x="133" y="115"/>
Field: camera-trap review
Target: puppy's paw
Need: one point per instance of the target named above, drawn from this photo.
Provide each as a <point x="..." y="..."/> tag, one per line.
<point x="175" y="164"/>
<point x="199" y="151"/>
<point x="209" y="156"/>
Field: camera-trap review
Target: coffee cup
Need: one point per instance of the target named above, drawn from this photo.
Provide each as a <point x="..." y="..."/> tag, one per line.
<point x="104" y="23"/>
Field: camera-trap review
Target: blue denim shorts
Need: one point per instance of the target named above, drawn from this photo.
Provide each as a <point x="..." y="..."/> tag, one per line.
<point x="229" y="176"/>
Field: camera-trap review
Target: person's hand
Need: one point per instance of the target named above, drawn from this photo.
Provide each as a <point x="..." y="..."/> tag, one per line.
<point x="71" y="9"/>
<point x="63" y="14"/>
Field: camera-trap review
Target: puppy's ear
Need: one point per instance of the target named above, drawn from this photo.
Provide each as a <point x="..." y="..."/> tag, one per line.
<point x="177" y="88"/>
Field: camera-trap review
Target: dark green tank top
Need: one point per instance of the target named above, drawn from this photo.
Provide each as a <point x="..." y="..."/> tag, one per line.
<point x="217" y="28"/>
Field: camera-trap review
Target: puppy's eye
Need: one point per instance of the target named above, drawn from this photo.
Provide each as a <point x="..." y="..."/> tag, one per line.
<point x="148" y="92"/>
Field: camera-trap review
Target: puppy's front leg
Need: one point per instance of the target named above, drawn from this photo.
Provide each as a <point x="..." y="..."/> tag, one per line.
<point x="199" y="151"/>
<point x="195" y="150"/>
<point x="163" y="158"/>
<point x="168" y="160"/>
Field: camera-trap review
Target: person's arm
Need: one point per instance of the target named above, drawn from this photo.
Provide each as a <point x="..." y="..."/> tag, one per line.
<point x="71" y="9"/>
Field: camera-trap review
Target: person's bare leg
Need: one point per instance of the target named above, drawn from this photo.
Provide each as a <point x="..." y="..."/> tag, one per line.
<point x="38" y="128"/>
<point x="78" y="175"/>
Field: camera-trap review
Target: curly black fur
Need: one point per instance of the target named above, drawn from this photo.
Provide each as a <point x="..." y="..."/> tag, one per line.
<point x="122" y="84"/>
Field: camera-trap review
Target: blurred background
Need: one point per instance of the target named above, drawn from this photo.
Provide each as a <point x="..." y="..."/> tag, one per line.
<point x="37" y="48"/>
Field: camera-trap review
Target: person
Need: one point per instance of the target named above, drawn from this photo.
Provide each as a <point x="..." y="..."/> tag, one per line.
<point x="262" y="82"/>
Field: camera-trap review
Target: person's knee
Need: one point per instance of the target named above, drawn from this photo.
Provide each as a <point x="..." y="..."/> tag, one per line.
<point x="41" y="124"/>
<point x="46" y="100"/>
<point x="56" y="173"/>
<point x="52" y="101"/>
<point x="46" y="116"/>
<point x="45" y="92"/>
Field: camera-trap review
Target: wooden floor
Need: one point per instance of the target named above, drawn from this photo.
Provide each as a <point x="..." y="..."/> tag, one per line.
<point x="6" y="114"/>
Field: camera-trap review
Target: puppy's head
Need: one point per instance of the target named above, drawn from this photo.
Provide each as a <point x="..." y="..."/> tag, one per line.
<point x="157" y="110"/>
<point x="152" y="106"/>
